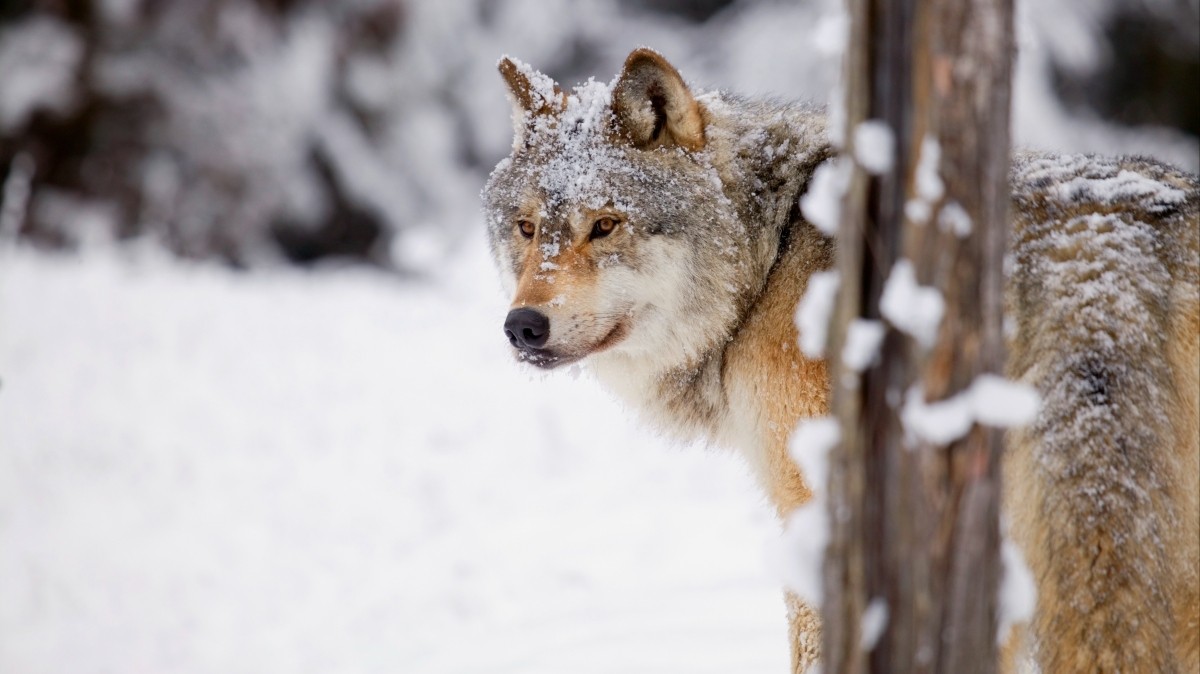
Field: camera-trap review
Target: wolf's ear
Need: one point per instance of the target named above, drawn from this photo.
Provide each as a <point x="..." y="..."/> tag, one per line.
<point x="653" y="105"/>
<point x="532" y="94"/>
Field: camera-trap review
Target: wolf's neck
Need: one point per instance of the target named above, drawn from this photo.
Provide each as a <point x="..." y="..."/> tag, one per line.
<point x="765" y="156"/>
<point x="741" y="390"/>
<point x="687" y="402"/>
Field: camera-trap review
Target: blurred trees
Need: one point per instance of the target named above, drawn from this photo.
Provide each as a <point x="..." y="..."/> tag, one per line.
<point x="252" y="130"/>
<point x="1149" y="71"/>
<point x="203" y="124"/>
<point x="296" y="130"/>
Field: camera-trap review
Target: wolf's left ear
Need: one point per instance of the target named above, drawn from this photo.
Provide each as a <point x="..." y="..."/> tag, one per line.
<point x="532" y="94"/>
<point x="653" y="105"/>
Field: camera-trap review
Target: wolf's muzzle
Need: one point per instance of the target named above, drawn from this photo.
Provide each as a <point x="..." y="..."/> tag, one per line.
<point x="527" y="329"/>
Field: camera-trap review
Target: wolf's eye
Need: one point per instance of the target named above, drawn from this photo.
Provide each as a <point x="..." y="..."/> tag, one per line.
<point x="603" y="227"/>
<point x="527" y="228"/>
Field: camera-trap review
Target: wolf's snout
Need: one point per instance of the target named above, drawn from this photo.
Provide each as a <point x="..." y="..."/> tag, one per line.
<point x="527" y="328"/>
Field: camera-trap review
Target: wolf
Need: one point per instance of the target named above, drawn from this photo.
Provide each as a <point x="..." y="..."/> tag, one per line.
<point x="653" y="231"/>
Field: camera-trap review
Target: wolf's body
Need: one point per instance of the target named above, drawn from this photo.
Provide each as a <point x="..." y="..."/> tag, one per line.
<point x="656" y="233"/>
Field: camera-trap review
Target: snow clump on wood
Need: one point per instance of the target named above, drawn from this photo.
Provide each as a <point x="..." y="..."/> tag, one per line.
<point x="1018" y="591"/>
<point x="911" y="307"/>
<point x="874" y="146"/>
<point x="797" y="554"/>
<point x="809" y="447"/>
<point x="990" y="400"/>
<point x="954" y="218"/>
<point x="863" y="338"/>
<point x="822" y="204"/>
<point x="1003" y="403"/>
<point x="872" y="624"/>
<point x="814" y="311"/>
<point x="929" y="183"/>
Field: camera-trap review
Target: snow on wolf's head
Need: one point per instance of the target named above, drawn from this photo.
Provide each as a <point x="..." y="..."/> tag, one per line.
<point x="609" y="222"/>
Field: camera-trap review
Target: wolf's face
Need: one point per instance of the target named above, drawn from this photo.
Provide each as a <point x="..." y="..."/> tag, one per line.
<point x="605" y="214"/>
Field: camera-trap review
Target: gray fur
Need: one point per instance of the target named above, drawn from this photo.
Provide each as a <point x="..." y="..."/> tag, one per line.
<point x="698" y="290"/>
<point x="728" y="205"/>
<point x="1103" y="248"/>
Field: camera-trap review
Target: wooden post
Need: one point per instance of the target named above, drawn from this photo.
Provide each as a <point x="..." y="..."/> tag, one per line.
<point x="915" y="524"/>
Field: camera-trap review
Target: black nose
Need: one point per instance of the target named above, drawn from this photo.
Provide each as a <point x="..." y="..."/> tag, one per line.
<point x="527" y="328"/>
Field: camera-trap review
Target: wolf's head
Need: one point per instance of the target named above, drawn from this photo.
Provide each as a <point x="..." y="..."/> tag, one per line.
<point x="610" y="221"/>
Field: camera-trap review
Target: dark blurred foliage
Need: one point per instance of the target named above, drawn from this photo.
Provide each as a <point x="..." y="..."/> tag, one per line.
<point x="1152" y="76"/>
<point x="692" y="10"/>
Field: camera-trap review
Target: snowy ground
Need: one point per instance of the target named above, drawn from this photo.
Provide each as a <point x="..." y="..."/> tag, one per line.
<point x="338" y="471"/>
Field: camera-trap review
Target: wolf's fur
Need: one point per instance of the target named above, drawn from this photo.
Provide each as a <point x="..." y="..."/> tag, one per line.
<point x="685" y="309"/>
<point x="1104" y="488"/>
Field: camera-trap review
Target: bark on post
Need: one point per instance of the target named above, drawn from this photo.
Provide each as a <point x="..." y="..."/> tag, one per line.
<point x="915" y="524"/>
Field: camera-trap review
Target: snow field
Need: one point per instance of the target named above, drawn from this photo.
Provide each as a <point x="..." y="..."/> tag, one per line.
<point x="339" y="471"/>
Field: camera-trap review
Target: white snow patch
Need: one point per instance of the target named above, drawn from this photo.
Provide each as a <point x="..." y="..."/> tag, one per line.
<point x="1018" y="591"/>
<point x="39" y="59"/>
<point x="815" y="310"/>
<point x="798" y="554"/>
<point x="863" y="338"/>
<point x="872" y="624"/>
<point x="929" y="182"/>
<point x="938" y="423"/>
<point x="420" y="248"/>
<point x="809" y="447"/>
<point x="990" y="400"/>
<point x="1003" y="403"/>
<point x="832" y="32"/>
<point x="912" y="308"/>
<point x="288" y="448"/>
<point x="954" y="218"/>
<point x="874" y="146"/>
<point x="822" y="204"/>
<point x="917" y="210"/>
<point x="930" y="189"/>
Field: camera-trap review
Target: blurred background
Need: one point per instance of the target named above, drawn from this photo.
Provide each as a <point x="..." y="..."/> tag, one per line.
<point x="262" y="131"/>
<point x="256" y="410"/>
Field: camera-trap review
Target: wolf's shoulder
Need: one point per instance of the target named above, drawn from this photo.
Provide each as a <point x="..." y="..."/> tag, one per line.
<point x="1059" y="198"/>
<point x="1055" y="186"/>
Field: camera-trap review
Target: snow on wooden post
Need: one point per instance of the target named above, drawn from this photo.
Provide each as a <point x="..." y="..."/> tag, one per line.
<point x="914" y="485"/>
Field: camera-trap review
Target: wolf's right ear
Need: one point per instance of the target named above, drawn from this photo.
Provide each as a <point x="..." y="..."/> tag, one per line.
<point x="653" y="105"/>
<point x="532" y="94"/>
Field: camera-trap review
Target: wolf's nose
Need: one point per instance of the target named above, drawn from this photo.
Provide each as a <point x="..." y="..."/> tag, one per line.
<point x="527" y="328"/>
